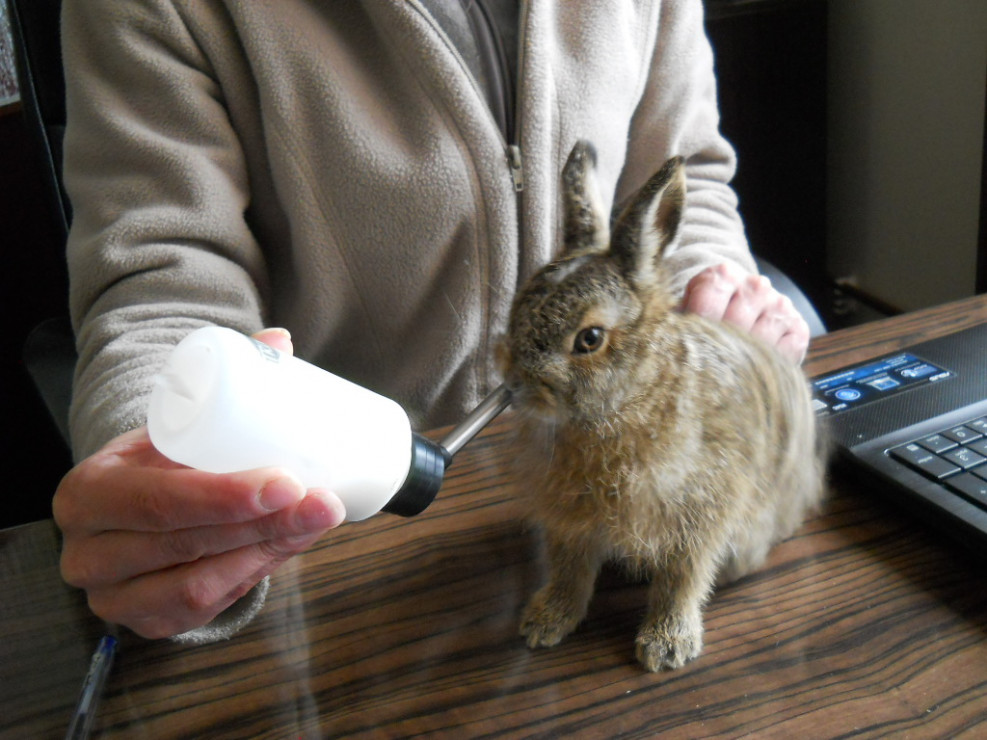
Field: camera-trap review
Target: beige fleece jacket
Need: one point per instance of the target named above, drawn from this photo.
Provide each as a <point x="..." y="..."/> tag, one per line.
<point x="331" y="167"/>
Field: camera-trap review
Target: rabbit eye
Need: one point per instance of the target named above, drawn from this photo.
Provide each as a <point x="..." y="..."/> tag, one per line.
<point x="588" y="340"/>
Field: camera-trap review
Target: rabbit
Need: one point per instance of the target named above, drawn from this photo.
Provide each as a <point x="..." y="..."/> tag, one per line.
<point x="680" y="447"/>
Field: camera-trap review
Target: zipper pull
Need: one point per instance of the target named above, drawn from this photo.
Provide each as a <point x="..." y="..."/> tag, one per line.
<point x="517" y="168"/>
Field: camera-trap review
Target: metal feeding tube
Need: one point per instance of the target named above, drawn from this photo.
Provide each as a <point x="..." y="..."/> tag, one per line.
<point x="478" y="418"/>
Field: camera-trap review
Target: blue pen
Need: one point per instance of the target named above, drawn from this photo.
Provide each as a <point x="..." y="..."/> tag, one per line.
<point x="92" y="689"/>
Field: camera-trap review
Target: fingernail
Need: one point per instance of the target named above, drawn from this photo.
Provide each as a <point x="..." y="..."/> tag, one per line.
<point x="281" y="492"/>
<point x="280" y="330"/>
<point x="319" y="511"/>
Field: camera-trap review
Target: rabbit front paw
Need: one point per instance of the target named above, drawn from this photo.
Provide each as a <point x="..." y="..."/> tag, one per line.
<point x="547" y="620"/>
<point x="665" y="646"/>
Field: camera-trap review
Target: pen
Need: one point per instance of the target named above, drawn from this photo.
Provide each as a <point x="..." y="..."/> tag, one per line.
<point x="92" y="689"/>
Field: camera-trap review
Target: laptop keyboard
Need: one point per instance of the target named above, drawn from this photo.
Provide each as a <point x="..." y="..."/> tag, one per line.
<point x="955" y="457"/>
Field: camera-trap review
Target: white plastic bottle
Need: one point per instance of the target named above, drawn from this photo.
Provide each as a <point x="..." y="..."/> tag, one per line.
<point x="225" y="402"/>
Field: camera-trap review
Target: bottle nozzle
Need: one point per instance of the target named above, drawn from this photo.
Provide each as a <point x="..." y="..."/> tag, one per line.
<point x="425" y="474"/>
<point x="429" y="459"/>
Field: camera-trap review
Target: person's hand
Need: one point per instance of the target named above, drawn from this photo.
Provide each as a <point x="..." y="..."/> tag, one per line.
<point x="750" y="302"/>
<point x="161" y="548"/>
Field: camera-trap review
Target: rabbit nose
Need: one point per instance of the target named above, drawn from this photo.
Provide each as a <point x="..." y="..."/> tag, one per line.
<point x="513" y="381"/>
<point x="519" y="383"/>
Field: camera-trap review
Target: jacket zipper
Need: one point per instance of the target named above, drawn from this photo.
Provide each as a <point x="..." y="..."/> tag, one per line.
<point x="516" y="164"/>
<point x="514" y="148"/>
<point x="515" y="160"/>
<point x="514" y="157"/>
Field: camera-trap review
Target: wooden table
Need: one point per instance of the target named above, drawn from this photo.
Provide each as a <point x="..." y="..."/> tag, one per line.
<point x="864" y="624"/>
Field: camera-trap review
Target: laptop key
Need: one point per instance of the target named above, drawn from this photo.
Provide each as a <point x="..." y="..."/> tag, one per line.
<point x="970" y="486"/>
<point x="938" y="443"/>
<point x="921" y="459"/>
<point x="962" y="434"/>
<point x="979" y="425"/>
<point x="980" y="446"/>
<point x="965" y="457"/>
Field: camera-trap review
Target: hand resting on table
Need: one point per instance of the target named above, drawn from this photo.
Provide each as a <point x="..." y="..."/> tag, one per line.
<point x="750" y="302"/>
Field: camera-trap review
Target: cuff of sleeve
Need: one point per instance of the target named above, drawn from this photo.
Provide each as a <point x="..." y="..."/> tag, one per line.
<point x="231" y="621"/>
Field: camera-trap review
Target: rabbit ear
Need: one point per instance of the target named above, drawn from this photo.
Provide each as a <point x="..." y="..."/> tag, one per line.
<point x="649" y="223"/>
<point x="586" y="227"/>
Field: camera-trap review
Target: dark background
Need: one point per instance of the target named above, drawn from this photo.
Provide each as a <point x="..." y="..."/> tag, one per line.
<point x="33" y="287"/>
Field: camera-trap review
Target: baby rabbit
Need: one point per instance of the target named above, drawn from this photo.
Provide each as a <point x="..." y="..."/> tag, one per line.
<point x="678" y="446"/>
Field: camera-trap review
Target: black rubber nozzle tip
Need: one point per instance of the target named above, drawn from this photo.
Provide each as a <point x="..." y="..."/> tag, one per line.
<point x="428" y="466"/>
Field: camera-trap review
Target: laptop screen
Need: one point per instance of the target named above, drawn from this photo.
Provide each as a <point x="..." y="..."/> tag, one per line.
<point x="858" y="385"/>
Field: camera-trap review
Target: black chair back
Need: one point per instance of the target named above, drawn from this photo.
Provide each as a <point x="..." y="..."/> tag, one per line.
<point x="49" y="352"/>
<point x="35" y="26"/>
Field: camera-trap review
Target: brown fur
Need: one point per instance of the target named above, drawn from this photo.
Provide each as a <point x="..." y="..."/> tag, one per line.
<point x="678" y="446"/>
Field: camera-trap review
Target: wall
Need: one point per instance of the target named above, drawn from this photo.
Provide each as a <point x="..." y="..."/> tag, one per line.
<point x="906" y="117"/>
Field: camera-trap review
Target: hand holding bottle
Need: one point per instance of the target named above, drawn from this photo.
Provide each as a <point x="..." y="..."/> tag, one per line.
<point x="162" y="549"/>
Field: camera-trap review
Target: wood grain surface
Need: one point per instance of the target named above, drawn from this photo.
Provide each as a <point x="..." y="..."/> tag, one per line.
<point x="862" y="625"/>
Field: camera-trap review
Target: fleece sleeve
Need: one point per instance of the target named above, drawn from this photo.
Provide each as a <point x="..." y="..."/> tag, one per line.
<point x="679" y="115"/>
<point x="159" y="243"/>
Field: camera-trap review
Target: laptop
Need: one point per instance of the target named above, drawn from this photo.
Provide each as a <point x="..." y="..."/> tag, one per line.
<point x="914" y="423"/>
